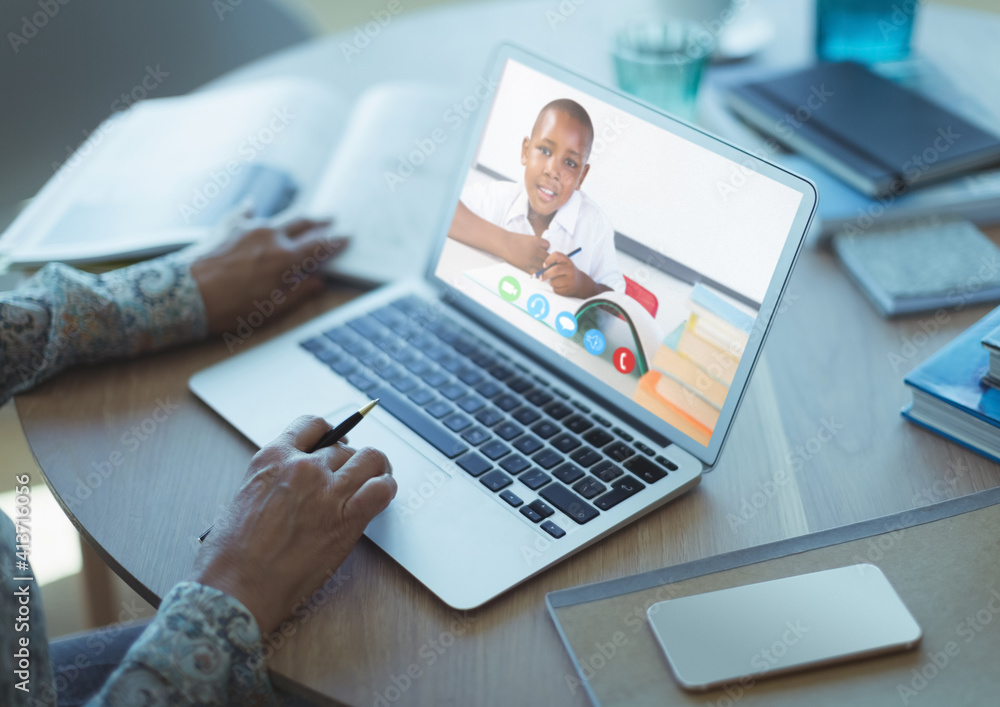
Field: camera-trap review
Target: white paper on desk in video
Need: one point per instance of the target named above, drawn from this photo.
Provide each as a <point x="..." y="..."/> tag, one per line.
<point x="388" y="182"/>
<point x="167" y="172"/>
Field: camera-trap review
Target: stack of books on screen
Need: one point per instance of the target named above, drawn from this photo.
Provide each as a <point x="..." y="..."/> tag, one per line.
<point x="952" y="393"/>
<point x="691" y="372"/>
<point x="923" y="265"/>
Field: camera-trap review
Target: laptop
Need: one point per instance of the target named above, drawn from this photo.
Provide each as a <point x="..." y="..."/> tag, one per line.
<point x="524" y="419"/>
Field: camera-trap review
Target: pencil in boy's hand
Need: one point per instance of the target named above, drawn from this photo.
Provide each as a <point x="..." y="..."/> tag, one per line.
<point x="328" y="439"/>
<point x="539" y="273"/>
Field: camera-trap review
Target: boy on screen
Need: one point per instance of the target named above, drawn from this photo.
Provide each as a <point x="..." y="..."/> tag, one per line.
<point x="522" y="223"/>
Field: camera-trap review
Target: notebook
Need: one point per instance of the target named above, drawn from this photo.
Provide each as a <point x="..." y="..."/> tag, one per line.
<point x="874" y="134"/>
<point x="922" y="266"/>
<point x="949" y="397"/>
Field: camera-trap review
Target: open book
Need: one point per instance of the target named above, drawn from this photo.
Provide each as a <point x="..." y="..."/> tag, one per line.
<point x="169" y="172"/>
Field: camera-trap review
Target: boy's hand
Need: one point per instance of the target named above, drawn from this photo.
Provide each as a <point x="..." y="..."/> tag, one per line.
<point x="525" y="252"/>
<point x="567" y="280"/>
<point x="296" y="519"/>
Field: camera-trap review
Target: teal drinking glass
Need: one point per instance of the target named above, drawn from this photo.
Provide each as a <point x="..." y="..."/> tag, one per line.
<point x="661" y="62"/>
<point x="866" y="31"/>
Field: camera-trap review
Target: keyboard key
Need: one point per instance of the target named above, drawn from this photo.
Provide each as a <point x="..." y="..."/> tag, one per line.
<point x="620" y="490"/>
<point x="589" y="487"/>
<point x="585" y="457"/>
<point x="435" y="379"/>
<point x="645" y="469"/>
<point x="519" y="384"/>
<point x="470" y="376"/>
<point x="538" y="398"/>
<point x="568" y="502"/>
<point x="454" y="364"/>
<point x="512" y="498"/>
<point x="474" y="464"/>
<point x="405" y="383"/>
<point x="415" y="418"/>
<point x="496" y="480"/>
<point x="489" y="416"/>
<point x="515" y="464"/>
<point x="645" y="449"/>
<point x="341" y="335"/>
<point x="535" y="479"/>
<point x="495" y="449"/>
<point x="367" y="326"/>
<point x="471" y="403"/>
<point x="488" y="389"/>
<point x="622" y="433"/>
<point x="578" y="424"/>
<point x="421" y="396"/>
<point x="553" y="529"/>
<point x="545" y="429"/>
<point x="358" y="349"/>
<point x="619" y="451"/>
<point x="420" y="367"/>
<point x="500" y="372"/>
<point x="606" y="471"/>
<point x="565" y="443"/>
<point x="457" y="422"/>
<point x="528" y="444"/>
<point x="568" y="472"/>
<point x="345" y="367"/>
<point x="581" y="407"/>
<point x="315" y="345"/>
<point x="666" y="462"/>
<point x="529" y="513"/>
<point x="475" y="436"/>
<point x="597" y="437"/>
<point x="541" y="508"/>
<point x="601" y="421"/>
<point x="439" y="409"/>
<point x="526" y="415"/>
<point x="362" y="382"/>
<point x="547" y="458"/>
<point x="482" y="359"/>
<point x="507" y="402"/>
<point x="452" y="391"/>
<point x="508" y="430"/>
<point x="558" y="410"/>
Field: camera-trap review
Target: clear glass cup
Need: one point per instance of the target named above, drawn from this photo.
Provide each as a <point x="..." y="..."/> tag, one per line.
<point x="866" y="31"/>
<point x="661" y="62"/>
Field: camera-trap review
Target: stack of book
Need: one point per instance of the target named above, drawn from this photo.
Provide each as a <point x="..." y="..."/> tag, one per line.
<point x="692" y="370"/>
<point x="955" y="393"/>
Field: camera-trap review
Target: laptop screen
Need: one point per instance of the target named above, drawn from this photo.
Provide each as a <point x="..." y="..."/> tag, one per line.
<point x="635" y="254"/>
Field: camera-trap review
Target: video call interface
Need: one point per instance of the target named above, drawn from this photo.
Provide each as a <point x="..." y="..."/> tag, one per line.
<point x="636" y="255"/>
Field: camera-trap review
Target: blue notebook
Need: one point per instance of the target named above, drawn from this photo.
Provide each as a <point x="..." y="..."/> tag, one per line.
<point x="949" y="396"/>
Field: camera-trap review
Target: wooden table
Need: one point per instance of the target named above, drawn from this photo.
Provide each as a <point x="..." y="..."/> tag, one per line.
<point x="819" y="442"/>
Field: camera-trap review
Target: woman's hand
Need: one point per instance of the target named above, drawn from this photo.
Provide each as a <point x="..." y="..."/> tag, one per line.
<point x="264" y="269"/>
<point x="294" y="521"/>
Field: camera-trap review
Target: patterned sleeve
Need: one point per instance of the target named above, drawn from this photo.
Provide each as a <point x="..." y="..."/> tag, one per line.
<point x="63" y="316"/>
<point x="203" y="648"/>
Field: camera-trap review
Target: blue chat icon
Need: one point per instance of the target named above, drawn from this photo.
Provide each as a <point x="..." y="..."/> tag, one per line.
<point x="593" y="340"/>
<point x="538" y="306"/>
<point x="566" y="324"/>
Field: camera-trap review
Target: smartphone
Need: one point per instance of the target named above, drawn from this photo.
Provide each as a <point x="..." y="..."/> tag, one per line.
<point x="743" y="633"/>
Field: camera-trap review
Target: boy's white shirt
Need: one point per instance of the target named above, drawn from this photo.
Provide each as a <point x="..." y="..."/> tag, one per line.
<point x="580" y="223"/>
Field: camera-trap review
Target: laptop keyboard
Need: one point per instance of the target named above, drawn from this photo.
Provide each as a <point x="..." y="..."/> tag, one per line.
<point x="513" y="431"/>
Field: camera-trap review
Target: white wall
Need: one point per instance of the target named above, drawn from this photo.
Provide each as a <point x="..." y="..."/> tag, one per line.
<point x="657" y="188"/>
